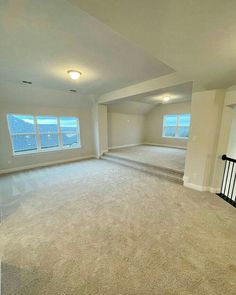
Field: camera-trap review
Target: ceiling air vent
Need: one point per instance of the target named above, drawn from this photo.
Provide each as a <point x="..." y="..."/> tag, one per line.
<point x="26" y="82"/>
<point x="73" y="90"/>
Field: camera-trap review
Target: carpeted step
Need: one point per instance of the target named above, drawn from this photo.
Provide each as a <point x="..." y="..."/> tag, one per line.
<point x="171" y="175"/>
<point x="160" y="168"/>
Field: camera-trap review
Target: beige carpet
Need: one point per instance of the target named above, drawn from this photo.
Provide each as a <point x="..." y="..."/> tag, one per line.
<point x="95" y="227"/>
<point x="172" y="158"/>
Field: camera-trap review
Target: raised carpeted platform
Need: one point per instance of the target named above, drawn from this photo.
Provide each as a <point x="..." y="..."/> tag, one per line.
<point x="160" y="161"/>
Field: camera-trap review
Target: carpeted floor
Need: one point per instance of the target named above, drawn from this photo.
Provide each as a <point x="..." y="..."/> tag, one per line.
<point x="172" y="158"/>
<point x="97" y="228"/>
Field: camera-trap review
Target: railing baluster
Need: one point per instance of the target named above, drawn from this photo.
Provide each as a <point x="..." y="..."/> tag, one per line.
<point x="226" y="179"/>
<point x="221" y="190"/>
<point x="228" y="185"/>
<point x="230" y="179"/>
<point x="232" y="193"/>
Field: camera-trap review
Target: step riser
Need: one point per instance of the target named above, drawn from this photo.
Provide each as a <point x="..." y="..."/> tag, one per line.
<point x="155" y="172"/>
<point x="162" y="169"/>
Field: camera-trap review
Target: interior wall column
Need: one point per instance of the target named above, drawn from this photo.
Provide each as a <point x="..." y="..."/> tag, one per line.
<point x="206" y="119"/>
<point x="100" y="129"/>
<point x="227" y="138"/>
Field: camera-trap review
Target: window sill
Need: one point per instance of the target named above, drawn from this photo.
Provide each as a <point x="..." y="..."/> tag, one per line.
<point x="45" y="151"/>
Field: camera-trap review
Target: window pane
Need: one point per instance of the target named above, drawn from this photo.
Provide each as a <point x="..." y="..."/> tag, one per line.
<point x="170" y="131"/>
<point x="68" y="124"/>
<point x="70" y="139"/>
<point x="183" y="131"/>
<point x="23" y="143"/>
<point x="170" y="120"/>
<point x="47" y="124"/>
<point x="184" y="120"/>
<point x="49" y="140"/>
<point x="21" y="123"/>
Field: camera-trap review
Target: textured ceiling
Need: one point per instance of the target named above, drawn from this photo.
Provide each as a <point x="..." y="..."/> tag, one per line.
<point x="196" y="38"/>
<point x="41" y="40"/>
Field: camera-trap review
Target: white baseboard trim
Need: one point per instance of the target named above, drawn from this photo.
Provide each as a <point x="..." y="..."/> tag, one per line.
<point x="165" y="145"/>
<point x="214" y="190"/>
<point x="124" y="146"/>
<point x="29" y="167"/>
<point x="105" y="151"/>
<point x="198" y="187"/>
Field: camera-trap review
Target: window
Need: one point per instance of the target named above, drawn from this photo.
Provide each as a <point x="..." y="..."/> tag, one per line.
<point x="48" y="132"/>
<point x="183" y="125"/>
<point x="23" y="134"/>
<point x="70" y="132"/>
<point x="43" y="133"/>
<point x="176" y="126"/>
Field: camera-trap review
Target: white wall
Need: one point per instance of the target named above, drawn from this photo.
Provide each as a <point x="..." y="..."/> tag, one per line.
<point x="230" y="98"/>
<point x="129" y="107"/>
<point x="231" y="150"/>
<point x="154" y="124"/>
<point x="22" y="99"/>
<point x="102" y="129"/>
<point x="223" y="139"/>
<point x="125" y="129"/>
<point x="206" y="111"/>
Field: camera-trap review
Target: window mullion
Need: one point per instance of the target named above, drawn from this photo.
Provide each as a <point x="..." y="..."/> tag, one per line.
<point x="37" y="133"/>
<point x="78" y="133"/>
<point x="59" y="133"/>
<point x="177" y="127"/>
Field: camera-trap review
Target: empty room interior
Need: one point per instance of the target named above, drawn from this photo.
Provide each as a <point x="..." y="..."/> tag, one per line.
<point x="117" y="147"/>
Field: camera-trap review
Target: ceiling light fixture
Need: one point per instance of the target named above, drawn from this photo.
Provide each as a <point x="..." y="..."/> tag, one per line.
<point x="166" y="98"/>
<point x="74" y="74"/>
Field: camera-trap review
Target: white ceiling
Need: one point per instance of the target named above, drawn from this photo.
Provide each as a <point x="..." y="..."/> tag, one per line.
<point x="41" y="40"/>
<point x="177" y="93"/>
<point x="141" y="104"/>
<point x="196" y="38"/>
<point x="24" y="95"/>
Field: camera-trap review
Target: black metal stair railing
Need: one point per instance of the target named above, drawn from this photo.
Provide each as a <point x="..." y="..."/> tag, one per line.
<point x="228" y="186"/>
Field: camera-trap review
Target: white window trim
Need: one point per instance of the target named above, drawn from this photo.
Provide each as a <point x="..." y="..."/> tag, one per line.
<point x="39" y="149"/>
<point x="176" y="127"/>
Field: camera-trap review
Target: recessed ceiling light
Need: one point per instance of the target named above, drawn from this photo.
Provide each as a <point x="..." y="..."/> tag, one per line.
<point x="74" y="74"/>
<point x="166" y="98"/>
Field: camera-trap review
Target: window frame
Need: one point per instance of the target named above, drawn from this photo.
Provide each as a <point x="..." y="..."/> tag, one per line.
<point x="38" y="133"/>
<point x="25" y="133"/>
<point x="177" y="126"/>
<point x="67" y="132"/>
<point x="39" y="148"/>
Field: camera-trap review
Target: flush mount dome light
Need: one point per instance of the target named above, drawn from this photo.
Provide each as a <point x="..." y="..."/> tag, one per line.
<point x="74" y="74"/>
<point x="166" y="98"/>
